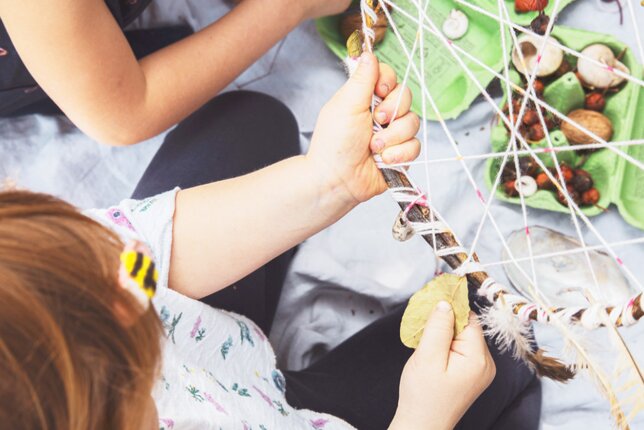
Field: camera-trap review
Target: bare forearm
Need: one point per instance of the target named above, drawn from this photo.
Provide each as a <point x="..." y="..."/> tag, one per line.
<point x="185" y="75"/>
<point x="80" y="57"/>
<point x="225" y="230"/>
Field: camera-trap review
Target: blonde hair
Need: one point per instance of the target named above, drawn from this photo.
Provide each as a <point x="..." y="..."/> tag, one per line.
<point x="66" y="359"/>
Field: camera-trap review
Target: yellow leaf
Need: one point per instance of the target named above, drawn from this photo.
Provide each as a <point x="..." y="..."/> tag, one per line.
<point x="446" y="287"/>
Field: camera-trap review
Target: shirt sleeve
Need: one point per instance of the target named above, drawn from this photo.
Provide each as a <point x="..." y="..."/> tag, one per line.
<point x="149" y="221"/>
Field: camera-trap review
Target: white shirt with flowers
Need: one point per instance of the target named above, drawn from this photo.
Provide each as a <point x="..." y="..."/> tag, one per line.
<point x="218" y="370"/>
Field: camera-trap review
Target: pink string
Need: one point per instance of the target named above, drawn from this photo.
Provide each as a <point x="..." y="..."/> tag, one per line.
<point x="421" y="200"/>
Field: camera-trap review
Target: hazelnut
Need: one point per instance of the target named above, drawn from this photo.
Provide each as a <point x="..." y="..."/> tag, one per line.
<point x="595" y="122"/>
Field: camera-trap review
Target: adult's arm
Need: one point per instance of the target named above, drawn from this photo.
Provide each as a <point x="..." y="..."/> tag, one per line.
<point x="79" y="56"/>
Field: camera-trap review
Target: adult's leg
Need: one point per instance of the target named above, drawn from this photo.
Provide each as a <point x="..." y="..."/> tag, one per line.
<point x="234" y="134"/>
<point x="358" y="381"/>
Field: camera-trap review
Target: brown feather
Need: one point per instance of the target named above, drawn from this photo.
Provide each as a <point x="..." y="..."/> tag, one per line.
<point x="551" y="368"/>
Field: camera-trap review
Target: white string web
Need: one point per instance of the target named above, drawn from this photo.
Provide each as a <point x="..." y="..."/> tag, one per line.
<point x="625" y="387"/>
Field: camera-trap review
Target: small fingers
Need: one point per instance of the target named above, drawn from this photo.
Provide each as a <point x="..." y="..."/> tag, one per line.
<point x="401" y="130"/>
<point x="386" y="81"/>
<point x="396" y="103"/>
<point x="403" y="153"/>
<point x="472" y="337"/>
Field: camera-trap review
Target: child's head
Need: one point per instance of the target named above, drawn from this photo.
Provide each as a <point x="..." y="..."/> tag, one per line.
<point x="75" y="350"/>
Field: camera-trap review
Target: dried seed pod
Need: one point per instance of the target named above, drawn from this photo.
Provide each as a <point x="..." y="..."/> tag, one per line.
<point x="509" y="173"/>
<point x="540" y="24"/>
<point x="538" y="86"/>
<point x="551" y="122"/>
<point x="522" y="6"/>
<point x="574" y="195"/>
<point x="536" y="133"/>
<point x="544" y="182"/>
<point x="582" y="181"/>
<point x="595" y="101"/>
<point x="510" y="189"/>
<point x="595" y="122"/>
<point x="566" y="171"/>
<point x="530" y="117"/>
<point x="590" y="197"/>
<point x="528" y="166"/>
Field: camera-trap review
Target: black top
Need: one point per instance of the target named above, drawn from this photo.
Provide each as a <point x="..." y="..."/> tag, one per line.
<point x="17" y="87"/>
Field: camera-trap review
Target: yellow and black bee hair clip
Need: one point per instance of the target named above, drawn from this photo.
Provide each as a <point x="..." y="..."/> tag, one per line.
<point x="138" y="273"/>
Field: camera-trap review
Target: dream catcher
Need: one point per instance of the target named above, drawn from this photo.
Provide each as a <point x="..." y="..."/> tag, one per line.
<point x="567" y="138"/>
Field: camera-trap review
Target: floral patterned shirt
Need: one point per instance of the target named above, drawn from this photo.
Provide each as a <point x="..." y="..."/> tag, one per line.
<point x="219" y="370"/>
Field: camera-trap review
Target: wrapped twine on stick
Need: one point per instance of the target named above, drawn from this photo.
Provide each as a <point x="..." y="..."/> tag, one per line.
<point x="427" y="222"/>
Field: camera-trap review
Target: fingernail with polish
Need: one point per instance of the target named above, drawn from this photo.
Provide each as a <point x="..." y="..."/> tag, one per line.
<point x="443" y="306"/>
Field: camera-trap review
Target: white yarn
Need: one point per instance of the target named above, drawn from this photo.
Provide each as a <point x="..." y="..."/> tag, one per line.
<point x="592" y="317"/>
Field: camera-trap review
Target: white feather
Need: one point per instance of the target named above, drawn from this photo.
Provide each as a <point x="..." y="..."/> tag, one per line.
<point x="508" y="332"/>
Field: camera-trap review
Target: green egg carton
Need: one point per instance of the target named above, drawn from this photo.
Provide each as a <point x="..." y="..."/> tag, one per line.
<point x="617" y="180"/>
<point x="451" y="88"/>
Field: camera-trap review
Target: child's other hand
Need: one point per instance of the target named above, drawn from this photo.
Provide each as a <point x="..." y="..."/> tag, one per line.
<point x="343" y="143"/>
<point x="444" y="376"/>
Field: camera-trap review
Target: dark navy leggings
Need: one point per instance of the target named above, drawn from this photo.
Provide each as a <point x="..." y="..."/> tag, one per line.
<point x="239" y="132"/>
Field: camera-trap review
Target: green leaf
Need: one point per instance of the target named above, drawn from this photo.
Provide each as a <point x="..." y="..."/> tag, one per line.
<point x="446" y="287"/>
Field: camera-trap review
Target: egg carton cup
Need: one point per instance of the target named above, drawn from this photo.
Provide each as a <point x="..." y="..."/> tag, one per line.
<point x="618" y="181"/>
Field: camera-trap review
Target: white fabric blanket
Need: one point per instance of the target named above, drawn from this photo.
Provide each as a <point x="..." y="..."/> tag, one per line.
<point x="353" y="272"/>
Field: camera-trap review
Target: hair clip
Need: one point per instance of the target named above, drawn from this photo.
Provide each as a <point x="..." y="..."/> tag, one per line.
<point x="137" y="273"/>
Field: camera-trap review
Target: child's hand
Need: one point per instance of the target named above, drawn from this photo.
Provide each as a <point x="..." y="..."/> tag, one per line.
<point x="343" y="143"/>
<point x="444" y="376"/>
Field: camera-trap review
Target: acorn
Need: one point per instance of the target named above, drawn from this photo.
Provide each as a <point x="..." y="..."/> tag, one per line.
<point x="544" y="182"/>
<point x="590" y="197"/>
<point x="530" y="117"/>
<point x="510" y="189"/>
<point x="595" y="101"/>
<point x="582" y="181"/>
<point x="536" y="133"/>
